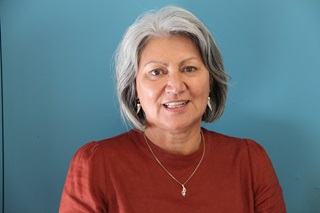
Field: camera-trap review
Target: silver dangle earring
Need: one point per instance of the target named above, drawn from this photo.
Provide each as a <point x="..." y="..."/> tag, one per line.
<point x="138" y="106"/>
<point x="209" y="104"/>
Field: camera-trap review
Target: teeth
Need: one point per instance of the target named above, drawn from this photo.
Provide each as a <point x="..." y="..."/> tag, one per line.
<point x="175" y="104"/>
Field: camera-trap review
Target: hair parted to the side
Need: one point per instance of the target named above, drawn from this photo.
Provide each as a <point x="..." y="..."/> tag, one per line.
<point x="167" y="21"/>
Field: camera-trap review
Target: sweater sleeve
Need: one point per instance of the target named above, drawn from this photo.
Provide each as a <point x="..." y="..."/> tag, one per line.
<point x="85" y="181"/>
<point x="266" y="188"/>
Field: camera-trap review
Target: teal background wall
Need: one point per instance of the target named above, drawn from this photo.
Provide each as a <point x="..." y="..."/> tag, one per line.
<point x="58" y="89"/>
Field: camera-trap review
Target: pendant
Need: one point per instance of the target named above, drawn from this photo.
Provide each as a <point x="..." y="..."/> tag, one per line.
<point x="184" y="191"/>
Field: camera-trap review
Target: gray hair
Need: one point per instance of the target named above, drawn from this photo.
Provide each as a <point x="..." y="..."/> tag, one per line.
<point x="167" y="21"/>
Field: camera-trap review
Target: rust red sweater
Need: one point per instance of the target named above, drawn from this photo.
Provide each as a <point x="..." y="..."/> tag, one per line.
<point x="121" y="175"/>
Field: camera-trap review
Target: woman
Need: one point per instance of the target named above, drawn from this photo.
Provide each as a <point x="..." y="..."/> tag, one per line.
<point x="170" y="78"/>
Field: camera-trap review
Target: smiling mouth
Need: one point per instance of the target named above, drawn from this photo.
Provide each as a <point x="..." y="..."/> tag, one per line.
<point x="173" y="105"/>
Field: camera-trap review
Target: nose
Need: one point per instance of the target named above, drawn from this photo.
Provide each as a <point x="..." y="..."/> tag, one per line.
<point x="176" y="83"/>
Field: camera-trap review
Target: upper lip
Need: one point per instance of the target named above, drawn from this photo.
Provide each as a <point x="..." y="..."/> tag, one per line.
<point x="176" y="103"/>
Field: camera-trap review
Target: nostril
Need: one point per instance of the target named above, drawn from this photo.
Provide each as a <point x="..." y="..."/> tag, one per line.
<point x="175" y="87"/>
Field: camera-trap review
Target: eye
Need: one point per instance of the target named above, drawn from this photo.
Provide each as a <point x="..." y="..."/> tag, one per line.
<point x="189" y="69"/>
<point x="156" y="72"/>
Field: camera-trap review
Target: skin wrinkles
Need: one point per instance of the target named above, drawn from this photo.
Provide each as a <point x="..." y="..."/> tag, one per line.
<point x="166" y="65"/>
<point x="172" y="85"/>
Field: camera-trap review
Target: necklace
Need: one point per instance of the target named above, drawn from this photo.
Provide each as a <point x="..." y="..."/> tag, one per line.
<point x="184" y="189"/>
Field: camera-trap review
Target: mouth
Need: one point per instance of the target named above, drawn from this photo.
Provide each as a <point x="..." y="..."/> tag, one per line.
<point x="173" y="105"/>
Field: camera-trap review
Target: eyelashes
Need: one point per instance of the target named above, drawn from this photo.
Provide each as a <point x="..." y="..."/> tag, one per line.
<point x="158" y="72"/>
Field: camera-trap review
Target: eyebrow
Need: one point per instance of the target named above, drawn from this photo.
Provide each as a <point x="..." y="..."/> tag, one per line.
<point x="156" y="62"/>
<point x="166" y="65"/>
<point x="189" y="59"/>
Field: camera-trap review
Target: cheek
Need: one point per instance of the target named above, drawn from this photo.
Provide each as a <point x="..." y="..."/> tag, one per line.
<point x="140" y="87"/>
<point x="207" y="83"/>
<point x="147" y="90"/>
<point x="202" y="87"/>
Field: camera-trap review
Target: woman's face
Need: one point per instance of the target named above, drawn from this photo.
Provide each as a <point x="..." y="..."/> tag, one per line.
<point x="172" y="83"/>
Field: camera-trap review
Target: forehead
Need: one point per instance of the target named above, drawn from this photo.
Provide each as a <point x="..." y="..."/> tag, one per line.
<point x="169" y="47"/>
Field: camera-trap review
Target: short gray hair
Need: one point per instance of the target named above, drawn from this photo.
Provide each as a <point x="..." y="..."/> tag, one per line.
<point x="167" y="21"/>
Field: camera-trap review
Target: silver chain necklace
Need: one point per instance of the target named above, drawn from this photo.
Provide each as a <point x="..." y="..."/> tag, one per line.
<point x="184" y="189"/>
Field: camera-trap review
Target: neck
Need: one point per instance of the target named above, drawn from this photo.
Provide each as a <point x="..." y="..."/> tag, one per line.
<point x="179" y="142"/>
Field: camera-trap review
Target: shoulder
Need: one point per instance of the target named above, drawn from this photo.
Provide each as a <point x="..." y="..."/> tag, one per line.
<point x="111" y="145"/>
<point x="229" y="145"/>
<point x="126" y="140"/>
<point x="86" y="151"/>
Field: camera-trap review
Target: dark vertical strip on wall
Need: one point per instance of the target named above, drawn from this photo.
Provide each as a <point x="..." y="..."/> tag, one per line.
<point x="2" y="125"/>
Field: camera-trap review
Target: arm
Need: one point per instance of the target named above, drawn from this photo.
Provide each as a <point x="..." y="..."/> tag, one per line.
<point x="266" y="188"/>
<point x="85" y="182"/>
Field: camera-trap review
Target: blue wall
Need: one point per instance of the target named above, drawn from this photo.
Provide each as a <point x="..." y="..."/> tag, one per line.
<point x="58" y="87"/>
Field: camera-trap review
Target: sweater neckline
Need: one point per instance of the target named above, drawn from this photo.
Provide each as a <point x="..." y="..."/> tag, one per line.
<point x="169" y="160"/>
